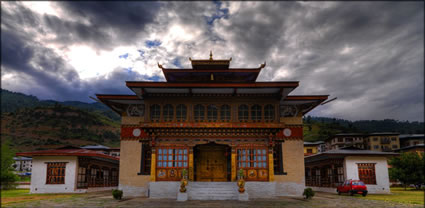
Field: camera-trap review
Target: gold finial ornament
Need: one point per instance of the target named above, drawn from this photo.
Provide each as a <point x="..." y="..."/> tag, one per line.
<point x="159" y="65"/>
<point x="211" y="55"/>
<point x="212" y="77"/>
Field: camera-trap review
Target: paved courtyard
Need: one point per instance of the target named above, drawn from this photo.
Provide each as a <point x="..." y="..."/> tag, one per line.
<point x="104" y="199"/>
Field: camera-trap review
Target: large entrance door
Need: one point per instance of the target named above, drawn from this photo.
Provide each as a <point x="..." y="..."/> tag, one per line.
<point x="211" y="163"/>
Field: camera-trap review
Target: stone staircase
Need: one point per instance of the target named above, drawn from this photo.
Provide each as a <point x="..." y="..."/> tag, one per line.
<point x="212" y="191"/>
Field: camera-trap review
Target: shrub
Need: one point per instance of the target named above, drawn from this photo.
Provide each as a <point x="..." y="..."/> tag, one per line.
<point x="308" y="193"/>
<point x="117" y="194"/>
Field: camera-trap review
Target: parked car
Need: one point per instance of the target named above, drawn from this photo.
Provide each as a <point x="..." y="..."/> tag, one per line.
<point x="352" y="187"/>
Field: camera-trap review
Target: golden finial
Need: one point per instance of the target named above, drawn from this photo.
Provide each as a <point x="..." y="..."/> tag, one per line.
<point x="212" y="77"/>
<point x="159" y="65"/>
<point x="263" y="65"/>
<point x="211" y="55"/>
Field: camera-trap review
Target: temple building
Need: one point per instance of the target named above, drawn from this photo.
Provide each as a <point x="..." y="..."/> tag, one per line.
<point x="212" y="120"/>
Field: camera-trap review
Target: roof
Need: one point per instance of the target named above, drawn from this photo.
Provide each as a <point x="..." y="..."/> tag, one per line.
<point x="95" y="147"/>
<point x="383" y="133"/>
<point x="67" y="152"/>
<point x="313" y="143"/>
<point x="411" y="136"/>
<point x="22" y="158"/>
<point x="411" y="147"/>
<point x="341" y="153"/>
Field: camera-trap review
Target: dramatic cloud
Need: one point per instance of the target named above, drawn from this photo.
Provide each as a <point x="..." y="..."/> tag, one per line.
<point x="368" y="54"/>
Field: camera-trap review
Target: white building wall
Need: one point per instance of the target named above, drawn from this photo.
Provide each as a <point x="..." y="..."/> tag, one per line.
<point x="39" y="175"/>
<point x="381" y="171"/>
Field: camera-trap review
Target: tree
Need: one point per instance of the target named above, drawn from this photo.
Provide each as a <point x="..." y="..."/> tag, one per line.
<point x="408" y="168"/>
<point x="7" y="176"/>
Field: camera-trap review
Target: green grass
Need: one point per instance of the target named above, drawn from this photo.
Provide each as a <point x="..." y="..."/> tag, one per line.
<point x="14" y="193"/>
<point x="399" y="195"/>
<point x="23" y="195"/>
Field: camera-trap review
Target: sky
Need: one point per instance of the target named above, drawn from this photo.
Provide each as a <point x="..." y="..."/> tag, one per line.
<point x="370" y="55"/>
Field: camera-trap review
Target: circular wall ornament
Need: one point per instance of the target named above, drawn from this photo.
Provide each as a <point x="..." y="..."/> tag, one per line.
<point x="287" y="132"/>
<point x="136" y="132"/>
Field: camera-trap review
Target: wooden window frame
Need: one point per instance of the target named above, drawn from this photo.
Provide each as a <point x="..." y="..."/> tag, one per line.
<point x="256" y="113"/>
<point x="252" y="157"/>
<point x="55" y="171"/>
<point x="225" y="114"/>
<point x="278" y="159"/>
<point x="82" y="180"/>
<point x="174" y="157"/>
<point x="367" y="173"/>
<point x="145" y="160"/>
<point x="269" y="113"/>
<point x="199" y="112"/>
<point x="168" y="112"/>
<point x="154" y="112"/>
<point x="243" y="114"/>
<point x="181" y="112"/>
<point x="212" y="113"/>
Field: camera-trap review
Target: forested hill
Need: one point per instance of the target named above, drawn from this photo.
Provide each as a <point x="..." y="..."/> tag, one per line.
<point x="12" y="101"/>
<point x="46" y="127"/>
<point x="320" y="128"/>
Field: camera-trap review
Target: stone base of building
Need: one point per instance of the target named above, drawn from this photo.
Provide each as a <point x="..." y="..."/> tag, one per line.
<point x="133" y="191"/>
<point x="170" y="190"/>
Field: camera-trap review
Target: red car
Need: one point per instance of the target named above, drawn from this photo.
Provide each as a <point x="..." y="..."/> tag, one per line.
<point x="352" y="187"/>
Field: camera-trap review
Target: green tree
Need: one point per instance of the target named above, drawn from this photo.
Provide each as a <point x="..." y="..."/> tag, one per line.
<point x="408" y="168"/>
<point x="7" y="176"/>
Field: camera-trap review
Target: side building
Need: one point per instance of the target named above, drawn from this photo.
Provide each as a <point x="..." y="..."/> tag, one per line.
<point x="213" y="121"/>
<point x="383" y="141"/>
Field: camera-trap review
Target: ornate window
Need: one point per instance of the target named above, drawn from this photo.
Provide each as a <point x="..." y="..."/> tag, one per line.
<point x="225" y="113"/>
<point x="269" y="113"/>
<point x="170" y="162"/>
<point x="212" y="113"/>
<point x="243" y="114"/>
<point x="278" y="159"/>
<point x="256" y="113"/>
<point x="254" y="162"/>
<point x="56" y="173"/>
<point x="367" y="172"/>
<point x="181" y="112"/>
<point x="168" y="112"/>
<point x="199" y="112"/>
<point x="155" y="112"/>
<point x="145" y="161"/>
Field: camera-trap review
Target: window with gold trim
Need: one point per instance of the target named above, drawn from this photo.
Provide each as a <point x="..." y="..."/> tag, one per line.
<point x="155" y="112"/>
<point x="181" y="112"/>
<point x="199" y="112"/>
<point x="269" y="113"/>
<point x="243" y="113"/>
<point x="253" y="161"/>
<point x="168" y="112"/>
<point x="225" y="113"/>
<point x="367" y="172"/>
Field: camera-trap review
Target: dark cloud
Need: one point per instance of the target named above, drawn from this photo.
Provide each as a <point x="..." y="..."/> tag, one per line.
<point x="368" y="54"/>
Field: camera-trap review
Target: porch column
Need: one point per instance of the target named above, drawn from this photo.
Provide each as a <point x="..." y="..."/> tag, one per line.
<point x="271" y="169"/>
<point x="233" y="160"/>
<point x="191" y="175"/>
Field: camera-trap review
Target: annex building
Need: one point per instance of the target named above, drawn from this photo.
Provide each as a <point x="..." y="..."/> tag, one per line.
<point x="212" y="120"/>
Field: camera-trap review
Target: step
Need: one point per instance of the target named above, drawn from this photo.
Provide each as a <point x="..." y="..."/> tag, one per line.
<point x="212" y="191"/>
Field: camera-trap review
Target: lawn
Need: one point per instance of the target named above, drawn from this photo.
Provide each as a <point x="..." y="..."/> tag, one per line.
<point x="409" y="196"/>
<point x="23" y="195"/>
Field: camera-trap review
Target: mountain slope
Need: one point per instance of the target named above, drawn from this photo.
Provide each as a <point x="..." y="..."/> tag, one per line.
<point x="45" y="127"/>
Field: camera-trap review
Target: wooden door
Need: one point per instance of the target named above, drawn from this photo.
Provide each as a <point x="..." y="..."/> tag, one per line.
<point x="211" y="163"/>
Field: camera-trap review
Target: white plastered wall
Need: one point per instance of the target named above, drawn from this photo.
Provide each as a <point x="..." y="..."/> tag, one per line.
<point x="39" y="175"/>
<point x="381" y="171"/>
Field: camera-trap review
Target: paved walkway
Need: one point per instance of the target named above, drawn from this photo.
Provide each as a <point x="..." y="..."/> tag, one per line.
<point x="104" y="199"/>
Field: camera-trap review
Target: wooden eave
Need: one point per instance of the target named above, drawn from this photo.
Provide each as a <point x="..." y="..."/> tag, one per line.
<point x="107" y="99"/>
<point x="316" y="99"/>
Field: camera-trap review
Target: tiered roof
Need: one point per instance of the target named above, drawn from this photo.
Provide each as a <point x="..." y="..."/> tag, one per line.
<point x="212" y="77"/>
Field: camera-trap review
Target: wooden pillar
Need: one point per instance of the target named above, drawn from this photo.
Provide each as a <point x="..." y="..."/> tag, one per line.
<point x="233" y="160"/>
<point x="153" y="165"/>
<point x="191" y="167"/>
<point x="271" y="169"/>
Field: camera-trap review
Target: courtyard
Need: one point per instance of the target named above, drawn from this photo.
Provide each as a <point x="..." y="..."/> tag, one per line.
<point x="398" y="198"/>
